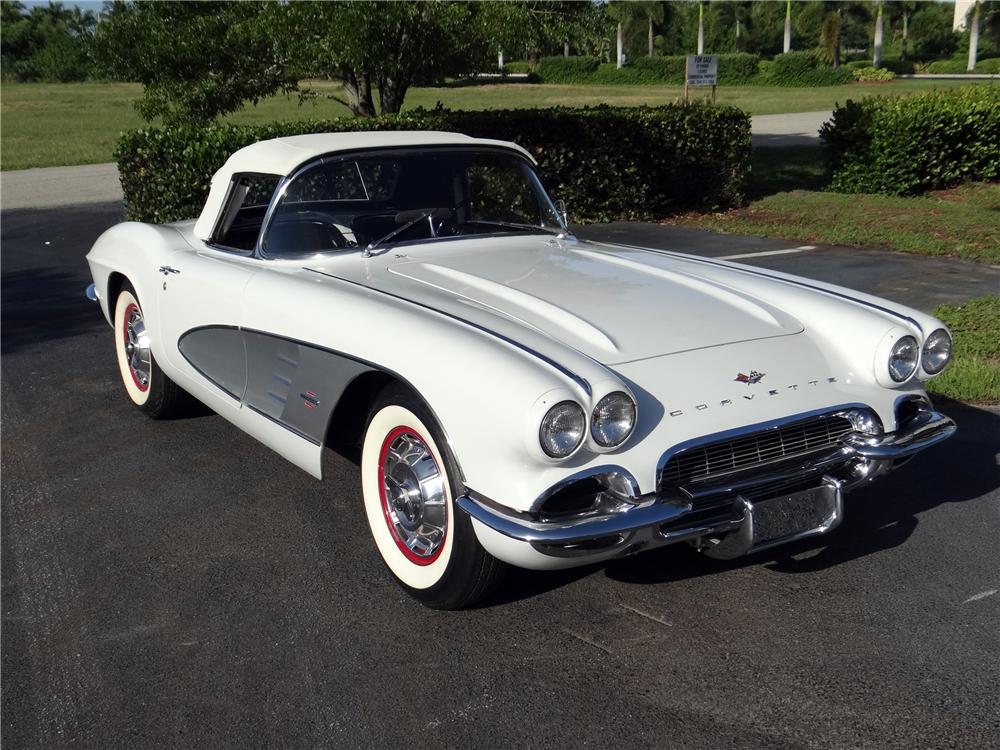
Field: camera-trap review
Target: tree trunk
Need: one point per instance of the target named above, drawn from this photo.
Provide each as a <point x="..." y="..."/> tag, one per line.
<point x="701" y="29"/>
<point x="391" y="93"/>
<point x="906" y="35"/>
<point x="649" y="38"/>
<point x="500" y="59"/>
<point x="359" y="93"/>
<point x="565" y="49"/>
<point x="877" y="58"/>
<point x="737" y="35"/>
<point x="788" y="26"/>
<point x="621" y="46"/>
<point x="973" y="38"/>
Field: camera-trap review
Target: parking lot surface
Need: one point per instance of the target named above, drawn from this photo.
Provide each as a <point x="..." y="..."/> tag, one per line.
<point x="175" y="584"/>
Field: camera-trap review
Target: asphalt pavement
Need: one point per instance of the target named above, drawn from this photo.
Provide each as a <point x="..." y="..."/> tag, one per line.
<point x="175" y="584"/>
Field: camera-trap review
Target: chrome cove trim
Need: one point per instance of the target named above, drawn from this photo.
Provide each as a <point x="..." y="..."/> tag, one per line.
<point x="580" y="381"/>
<point x="747" y="269"/>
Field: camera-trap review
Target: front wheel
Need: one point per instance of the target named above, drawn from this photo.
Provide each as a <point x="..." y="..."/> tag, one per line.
<point x="146" y="385"/>
<point x="408" y="480"/>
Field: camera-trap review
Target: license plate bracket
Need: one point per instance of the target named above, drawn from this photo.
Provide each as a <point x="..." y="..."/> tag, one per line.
<point x="796" y="515"/>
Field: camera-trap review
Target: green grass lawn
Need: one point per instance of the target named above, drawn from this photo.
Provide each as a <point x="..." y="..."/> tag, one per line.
<point x="974" y="373"/>
<point x="51" y="124"/>
<point x="788" y="202"/>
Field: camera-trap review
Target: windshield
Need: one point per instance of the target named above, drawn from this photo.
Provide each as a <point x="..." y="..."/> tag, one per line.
<point x="391" y="197"/>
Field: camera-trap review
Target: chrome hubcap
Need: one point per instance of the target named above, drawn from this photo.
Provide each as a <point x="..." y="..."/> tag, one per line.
<point x="137" y="347"/>
<point x="413" y="496"/>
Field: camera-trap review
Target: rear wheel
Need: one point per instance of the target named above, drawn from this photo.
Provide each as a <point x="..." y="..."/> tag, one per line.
<point x="409" y="482"/>
<point x="146" y="385"/>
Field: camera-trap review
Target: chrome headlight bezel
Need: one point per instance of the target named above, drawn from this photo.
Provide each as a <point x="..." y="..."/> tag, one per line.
<point x="603" y="432"/>
<point x="936" y="346"/>
<point x="904" y="358"/>
<point x="577" y="417"/>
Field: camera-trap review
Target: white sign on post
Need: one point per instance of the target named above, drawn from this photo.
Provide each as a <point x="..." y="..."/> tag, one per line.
<point x="702" y="70"/>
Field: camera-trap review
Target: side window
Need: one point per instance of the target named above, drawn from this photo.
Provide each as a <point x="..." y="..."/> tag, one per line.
<point x="243" y="214"/>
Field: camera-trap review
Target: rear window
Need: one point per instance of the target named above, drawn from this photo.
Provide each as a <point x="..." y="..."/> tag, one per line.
<point x="242" y="216"/>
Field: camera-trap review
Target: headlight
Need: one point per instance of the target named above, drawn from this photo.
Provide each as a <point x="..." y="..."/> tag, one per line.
<point x="562" y="429"/>
<point x="613" y="419"/>
<point x="937" y="352"/>
<point x="903" y="358"/>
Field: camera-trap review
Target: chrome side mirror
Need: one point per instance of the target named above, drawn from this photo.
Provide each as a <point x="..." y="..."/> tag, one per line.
<point x="561" y="208"/>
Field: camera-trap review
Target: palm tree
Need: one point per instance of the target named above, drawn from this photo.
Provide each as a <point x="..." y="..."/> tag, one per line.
<point x="701" y="28"/>
<point x="974" y="35"/>
<point x="877" y="57"/>
<point x="788" y="26"/>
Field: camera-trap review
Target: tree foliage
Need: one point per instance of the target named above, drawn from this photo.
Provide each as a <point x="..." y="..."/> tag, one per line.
<point x="45" y="43"/>
<point x="196" y="60"/>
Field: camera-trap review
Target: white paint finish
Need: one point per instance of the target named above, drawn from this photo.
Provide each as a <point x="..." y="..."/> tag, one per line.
<point x="486" y="329"/>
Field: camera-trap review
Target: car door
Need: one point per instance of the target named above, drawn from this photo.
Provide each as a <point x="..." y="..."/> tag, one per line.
<point x="201" y="312"/>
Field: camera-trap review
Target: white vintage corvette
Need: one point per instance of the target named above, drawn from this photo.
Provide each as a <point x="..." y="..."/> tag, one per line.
<point x="517" y="395"/>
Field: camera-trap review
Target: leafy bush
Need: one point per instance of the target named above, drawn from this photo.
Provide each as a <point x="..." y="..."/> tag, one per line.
<point x="643" y="162"/>
<point x="899" y="67"/>
<point x="905" y="145"/>
<point x="960" y="64"/>
<point x="517" y="66"/>
<point x="805" y="69"/>
<point x="566" y="69"/>
<point x="858" y="64"/>
<point x="873" y="74"/>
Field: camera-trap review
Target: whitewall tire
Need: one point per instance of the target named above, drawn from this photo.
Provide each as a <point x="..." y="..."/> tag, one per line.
<point x="409" y="483"/>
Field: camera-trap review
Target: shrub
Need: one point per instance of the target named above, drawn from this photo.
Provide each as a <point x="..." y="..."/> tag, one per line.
<point x="566" y="69"/>
<point x="905" y="145"/>
<point x="643" y="162"/>
<point x="959" y="65"/>
<point x="734" y="69"/>
<point x="517" y="66"/>
<point x="858" y="64"/>
<point x="899" y="67"/>
<point x="873" y="74"/>
<point x="805" y="69"/>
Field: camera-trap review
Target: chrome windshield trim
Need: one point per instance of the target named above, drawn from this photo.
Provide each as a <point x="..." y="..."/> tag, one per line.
<point x="747" y="269"/>
<point x="580" y="381"/>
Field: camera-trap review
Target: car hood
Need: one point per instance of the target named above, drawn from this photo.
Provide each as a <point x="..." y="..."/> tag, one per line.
<point x="612" y="308"/>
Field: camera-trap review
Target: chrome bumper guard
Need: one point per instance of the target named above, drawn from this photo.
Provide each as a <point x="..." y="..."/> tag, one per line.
<point x="647" y="520"/>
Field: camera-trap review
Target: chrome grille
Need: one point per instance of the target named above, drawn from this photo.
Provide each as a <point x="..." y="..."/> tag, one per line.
<point x="748" y="451"/>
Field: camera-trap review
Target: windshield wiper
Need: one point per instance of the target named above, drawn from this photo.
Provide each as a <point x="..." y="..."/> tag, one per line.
<point x="515" y="225"/>
<point x="429" y="214"/>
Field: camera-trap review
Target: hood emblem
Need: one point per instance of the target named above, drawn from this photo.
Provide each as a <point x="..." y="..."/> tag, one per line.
<point x="753" y="377"/>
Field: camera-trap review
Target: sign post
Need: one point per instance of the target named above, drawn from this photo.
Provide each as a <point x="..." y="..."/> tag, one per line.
<point x="701" y="70"/>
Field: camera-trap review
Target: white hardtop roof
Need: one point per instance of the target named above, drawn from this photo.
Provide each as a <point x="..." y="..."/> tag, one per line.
<point x="281" y="156"/>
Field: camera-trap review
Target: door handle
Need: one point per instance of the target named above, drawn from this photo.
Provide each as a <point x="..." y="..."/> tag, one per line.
<point x="167" y="270"/>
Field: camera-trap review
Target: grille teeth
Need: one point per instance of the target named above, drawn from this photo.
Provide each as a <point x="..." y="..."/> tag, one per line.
<point x="751" y="450"/>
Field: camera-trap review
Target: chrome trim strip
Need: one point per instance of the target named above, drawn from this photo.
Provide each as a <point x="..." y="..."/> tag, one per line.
<point x="297" y="433"/>
<point x="580" y="381"/>
<point x="591" y="473"/>
<point x="928" y="428"/>
<point x="630" y="519"/>
<point x="747" y="269"/>
<point x="92" y="293"/>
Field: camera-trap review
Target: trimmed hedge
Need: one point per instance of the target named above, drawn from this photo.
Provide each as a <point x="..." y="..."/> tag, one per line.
<point x="959" y="65"/>
<point x="606" y="163"/>
<point x="566" y="69"/>
<point x="906" y="145"/>
<point x="805" y="69"/>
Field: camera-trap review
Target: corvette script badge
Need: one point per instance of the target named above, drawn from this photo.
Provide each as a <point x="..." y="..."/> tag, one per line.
<point x="753" y="377"/>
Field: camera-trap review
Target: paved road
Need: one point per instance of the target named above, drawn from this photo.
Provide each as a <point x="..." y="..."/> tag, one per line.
<point x="793" y="129"/>
<point x="174" y="584"/>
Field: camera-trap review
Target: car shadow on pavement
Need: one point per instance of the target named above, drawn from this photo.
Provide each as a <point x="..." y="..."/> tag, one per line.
<point x="878" y="517"/>
<point x="44" y="304"/>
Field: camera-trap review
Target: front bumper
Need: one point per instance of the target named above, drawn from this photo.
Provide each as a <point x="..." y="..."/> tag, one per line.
<point x="619" y="526"/>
